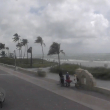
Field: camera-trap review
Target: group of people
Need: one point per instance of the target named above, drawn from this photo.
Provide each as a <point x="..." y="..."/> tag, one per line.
<point x="62" y="79"/>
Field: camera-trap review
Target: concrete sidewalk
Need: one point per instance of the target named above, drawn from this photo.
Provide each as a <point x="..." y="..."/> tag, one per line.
<point x="87" y="100"/>
<point x="99" y="83"/>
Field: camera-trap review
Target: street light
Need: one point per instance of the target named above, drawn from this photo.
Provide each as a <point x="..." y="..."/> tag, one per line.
<point x="15" y="58"/>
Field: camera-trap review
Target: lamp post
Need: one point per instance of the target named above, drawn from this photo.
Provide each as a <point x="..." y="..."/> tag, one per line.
<point x="30" y="51"/>
<point x="15" y="58"/>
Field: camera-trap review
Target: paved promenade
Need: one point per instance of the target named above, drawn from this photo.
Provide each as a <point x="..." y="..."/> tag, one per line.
<point x="91" y="100"/>
<point x="99" y="83"/>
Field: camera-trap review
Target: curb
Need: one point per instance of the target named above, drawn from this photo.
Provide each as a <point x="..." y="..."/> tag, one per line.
<point x="19" y="69"/>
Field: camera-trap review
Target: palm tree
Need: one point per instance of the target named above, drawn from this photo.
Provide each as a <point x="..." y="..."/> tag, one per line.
<point x="40" y="40"/>
<point x="3" y="54"/>
<point x="25" y="44"/>
<point x="19" y="47"/>
<point x="55" y="49"/>
<point x="2" y="46"/>
<point x="15" y="39"/>
<point x="11" y="55"/>
<point x="7" y="48"/>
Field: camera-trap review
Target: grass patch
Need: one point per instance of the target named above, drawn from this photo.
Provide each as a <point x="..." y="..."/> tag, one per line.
<point x="24" y="63"/>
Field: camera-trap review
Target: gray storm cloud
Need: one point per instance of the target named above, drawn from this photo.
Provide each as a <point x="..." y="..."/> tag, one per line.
<point x="80" y="26"/>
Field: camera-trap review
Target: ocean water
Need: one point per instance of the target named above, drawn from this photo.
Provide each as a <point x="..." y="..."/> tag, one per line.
<point x="87" y="59"/>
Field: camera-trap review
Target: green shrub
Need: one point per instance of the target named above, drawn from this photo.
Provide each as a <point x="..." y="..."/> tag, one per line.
<point x="41" y="73"/>
<point x="101" y="75"/>
<point x="97" y="72"/>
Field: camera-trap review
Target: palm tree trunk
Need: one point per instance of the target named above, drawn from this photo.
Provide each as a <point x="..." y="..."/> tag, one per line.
<point x="21" y="53"/>
<point x="4" y="50"/>
<point x="59" y="60"/>
<point x="19" y="50"/>
<point x="42" y="54"/>
<point x="24" y="52"/>
<point x="31" y="58"/>
<point x="27" y="52"/>
<point x="8" y="53"/>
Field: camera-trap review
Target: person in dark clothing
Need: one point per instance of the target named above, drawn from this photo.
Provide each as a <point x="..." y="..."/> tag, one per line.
<point x="67" y="76"/>
<point x="60" y="75"/>
<point x="62" y="80"/>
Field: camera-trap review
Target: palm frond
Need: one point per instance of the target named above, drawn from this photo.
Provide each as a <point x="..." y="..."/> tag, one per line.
<point x="7" y="48"/>
<point x="2" y="46"/>
<point x="16" y="35"/>
<point x="39" y="40"/>
<point x="24" y="42"/>
<point x="54" y="48"/>
<point x="61" y="51"/>
<point x="3" y="53"/>
<point x="19" y="45"/>
<point x="16" y="38"/>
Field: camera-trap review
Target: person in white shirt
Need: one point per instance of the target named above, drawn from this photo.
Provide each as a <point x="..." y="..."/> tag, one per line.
<point x="75" y="79"/>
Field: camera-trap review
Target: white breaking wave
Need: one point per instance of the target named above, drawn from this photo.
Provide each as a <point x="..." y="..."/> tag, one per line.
<point x="83" y="62"/>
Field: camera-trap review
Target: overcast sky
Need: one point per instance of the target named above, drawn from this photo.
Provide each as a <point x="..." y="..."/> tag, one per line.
<point x="81" y="26"/>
